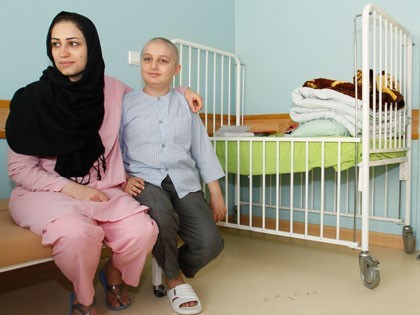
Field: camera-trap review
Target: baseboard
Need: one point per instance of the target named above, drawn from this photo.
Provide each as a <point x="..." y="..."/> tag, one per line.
<point x="375" y="238"/>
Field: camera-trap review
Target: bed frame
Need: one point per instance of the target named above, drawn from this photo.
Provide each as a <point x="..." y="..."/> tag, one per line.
<point x="265" y="187"/>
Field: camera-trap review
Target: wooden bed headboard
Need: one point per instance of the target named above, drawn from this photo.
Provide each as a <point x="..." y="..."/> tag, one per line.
<point x="258" y="123"/>
<point x="4" y="112"/>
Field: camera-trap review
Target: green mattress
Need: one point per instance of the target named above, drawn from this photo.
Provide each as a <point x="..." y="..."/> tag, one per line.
<point x="278" y="156"/>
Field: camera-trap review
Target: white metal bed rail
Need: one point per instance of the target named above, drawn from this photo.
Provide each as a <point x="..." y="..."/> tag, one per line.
<point x="313" y="190"/>
<point x="217" y="76"/>
<point x="386" y="49"/>
<point x="262" y="198"/>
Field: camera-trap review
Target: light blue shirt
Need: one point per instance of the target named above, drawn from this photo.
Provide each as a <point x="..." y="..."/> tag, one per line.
<point x="160" y="136"/>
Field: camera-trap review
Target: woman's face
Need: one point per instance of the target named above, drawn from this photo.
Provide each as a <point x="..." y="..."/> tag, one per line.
<point x="69" y="50"/>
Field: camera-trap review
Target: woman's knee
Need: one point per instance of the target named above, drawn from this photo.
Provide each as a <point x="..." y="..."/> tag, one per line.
<point x="142" y="229"/>
<point x="149" y="230"/>
<point x="73" y="230"/>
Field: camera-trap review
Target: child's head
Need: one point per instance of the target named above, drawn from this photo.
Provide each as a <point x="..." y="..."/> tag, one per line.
<point x="159" y="63"/>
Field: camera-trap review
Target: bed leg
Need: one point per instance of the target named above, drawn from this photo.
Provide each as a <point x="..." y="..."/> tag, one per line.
<point x="158" y="288"/>
<point x="369" y="270"/>
<point x="235" y="214"/>
<point x="409" y="239"/>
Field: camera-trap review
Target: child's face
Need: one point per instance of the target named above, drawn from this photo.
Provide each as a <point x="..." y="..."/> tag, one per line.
<point x="158" y="65"/>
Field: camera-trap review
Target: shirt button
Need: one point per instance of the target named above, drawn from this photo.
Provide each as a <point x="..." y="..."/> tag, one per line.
<point x="163" y="145"/>
<point x="160" y="122"/>
<point x="159" y="99"/>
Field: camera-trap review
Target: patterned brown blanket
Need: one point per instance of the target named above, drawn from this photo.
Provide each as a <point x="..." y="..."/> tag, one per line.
<point x="386" y="89"/>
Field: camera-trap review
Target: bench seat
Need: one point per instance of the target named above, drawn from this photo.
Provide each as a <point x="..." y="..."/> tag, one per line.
<point x="19" y="247"/>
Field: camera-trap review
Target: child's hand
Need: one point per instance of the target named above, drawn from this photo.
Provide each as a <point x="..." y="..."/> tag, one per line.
<point x="219" y="208"/>
<point x="194" y="100"/>
<point x="134" y="186"/>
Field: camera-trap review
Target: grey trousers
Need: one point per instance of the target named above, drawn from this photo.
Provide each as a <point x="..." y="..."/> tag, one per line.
<point x="189" y="217"/>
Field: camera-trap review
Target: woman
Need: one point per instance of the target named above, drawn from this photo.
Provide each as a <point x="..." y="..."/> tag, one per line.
<point x="66" y="162"/>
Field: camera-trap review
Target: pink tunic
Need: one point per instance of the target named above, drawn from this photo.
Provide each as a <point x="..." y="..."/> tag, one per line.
<point x="37" y="201"/>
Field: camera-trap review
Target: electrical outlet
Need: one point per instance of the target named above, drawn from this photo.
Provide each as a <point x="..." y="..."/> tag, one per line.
<point x="134" y="58"/>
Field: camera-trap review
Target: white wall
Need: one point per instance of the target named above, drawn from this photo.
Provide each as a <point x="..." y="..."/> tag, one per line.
<point x="122" y="25"/>
<point x="283" y="44"/>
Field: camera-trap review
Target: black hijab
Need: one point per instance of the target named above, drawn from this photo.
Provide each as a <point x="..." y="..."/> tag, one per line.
<point x="55" y="117"/>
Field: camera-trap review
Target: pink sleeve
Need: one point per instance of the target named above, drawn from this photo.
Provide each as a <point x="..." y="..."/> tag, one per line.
<point x="26" y="171"/>
<point x="181" y="89"/>
<point x="127" y="89"/>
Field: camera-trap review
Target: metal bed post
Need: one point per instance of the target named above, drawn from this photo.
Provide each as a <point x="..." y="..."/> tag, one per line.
<point x="396" y="63"/>
<point x="405" y="168"/>
<point x="369" y="271"/>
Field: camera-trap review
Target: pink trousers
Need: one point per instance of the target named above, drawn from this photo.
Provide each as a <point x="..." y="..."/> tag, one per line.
<point x="77" y="244"/>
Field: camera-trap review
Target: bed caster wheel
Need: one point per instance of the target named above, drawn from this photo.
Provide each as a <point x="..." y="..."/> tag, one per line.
<point x="159" y="290"/>
<point x="409" y="239"/>
<point x="369" y="270"/>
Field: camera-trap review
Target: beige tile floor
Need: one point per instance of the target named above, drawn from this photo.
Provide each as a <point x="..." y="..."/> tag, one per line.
<point x="255" y="275"/>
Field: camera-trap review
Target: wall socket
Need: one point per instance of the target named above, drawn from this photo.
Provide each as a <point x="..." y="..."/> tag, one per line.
<point x="134" y="58"/>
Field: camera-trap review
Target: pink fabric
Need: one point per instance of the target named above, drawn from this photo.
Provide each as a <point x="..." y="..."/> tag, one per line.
<point x="76" y="228"/>
<point x="131" y="247"/>
<point x="77" y="251"/>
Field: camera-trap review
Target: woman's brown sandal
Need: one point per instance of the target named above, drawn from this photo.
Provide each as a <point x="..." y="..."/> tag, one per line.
<point x="116" y="290"/>
<point x="83" y="310"/>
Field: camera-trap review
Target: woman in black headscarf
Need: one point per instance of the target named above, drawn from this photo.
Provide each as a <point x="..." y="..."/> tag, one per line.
<point x="66" y="162"/>
<point x="60" y="116"/>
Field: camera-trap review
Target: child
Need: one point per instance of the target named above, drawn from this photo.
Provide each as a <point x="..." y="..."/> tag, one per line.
<point x="166" y="149"/>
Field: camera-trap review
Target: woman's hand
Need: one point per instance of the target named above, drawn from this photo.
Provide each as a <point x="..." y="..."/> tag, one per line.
<point x="194" y="100"/>
<point x="134" y="186"/>
<point x="83" y="192"/>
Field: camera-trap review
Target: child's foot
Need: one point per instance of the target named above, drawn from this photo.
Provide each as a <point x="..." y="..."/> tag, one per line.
<point x="177" y="281"/>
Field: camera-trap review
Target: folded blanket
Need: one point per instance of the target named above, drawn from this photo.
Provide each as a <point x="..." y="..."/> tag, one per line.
<point x="310" y="104"/>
